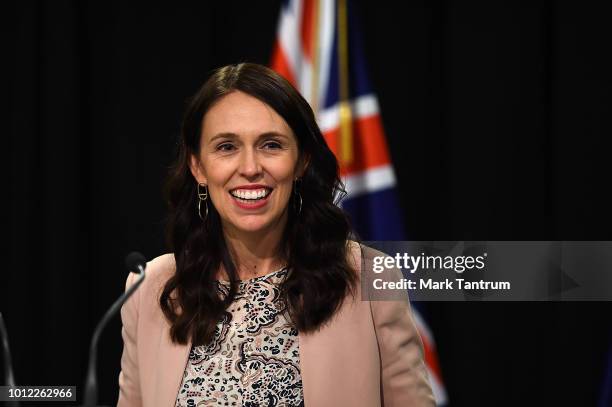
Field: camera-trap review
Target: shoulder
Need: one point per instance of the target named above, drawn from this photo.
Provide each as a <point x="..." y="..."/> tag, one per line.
<point x="362" y="259"/>
<point x="157" y="272"/>
<point x="142" y="305"/>
<point x="360" y="255"/>
<point x="161" y="268"/>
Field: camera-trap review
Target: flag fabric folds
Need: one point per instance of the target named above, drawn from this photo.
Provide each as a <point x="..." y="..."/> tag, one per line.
<point x="318" y="50"/>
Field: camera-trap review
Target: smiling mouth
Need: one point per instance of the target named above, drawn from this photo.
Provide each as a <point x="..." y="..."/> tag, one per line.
<point x="250" y="195"/>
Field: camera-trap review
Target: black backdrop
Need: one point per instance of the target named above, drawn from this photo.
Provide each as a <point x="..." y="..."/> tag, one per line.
<point x="497" y="115"/>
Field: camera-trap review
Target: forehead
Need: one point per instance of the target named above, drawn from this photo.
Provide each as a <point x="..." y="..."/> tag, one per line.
<point x="243" y="115"/>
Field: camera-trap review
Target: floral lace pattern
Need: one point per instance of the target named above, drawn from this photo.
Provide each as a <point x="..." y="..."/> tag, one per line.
<point x="253" y="359"/>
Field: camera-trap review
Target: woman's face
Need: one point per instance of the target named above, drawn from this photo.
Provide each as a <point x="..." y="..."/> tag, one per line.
<point x="248" y="158"/>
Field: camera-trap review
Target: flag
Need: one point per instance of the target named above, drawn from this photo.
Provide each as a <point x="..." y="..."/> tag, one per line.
<point x="318" y="50"/>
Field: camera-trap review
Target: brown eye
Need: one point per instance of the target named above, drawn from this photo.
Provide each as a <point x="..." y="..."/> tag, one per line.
<point x="274" y="145"/>
<point x="225" y="147"/>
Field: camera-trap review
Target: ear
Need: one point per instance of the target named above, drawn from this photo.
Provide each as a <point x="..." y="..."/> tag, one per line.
<point x="197" y="170"/>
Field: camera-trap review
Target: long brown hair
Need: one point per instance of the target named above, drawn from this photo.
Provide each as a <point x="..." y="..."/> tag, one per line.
<point x="314" y="241"/>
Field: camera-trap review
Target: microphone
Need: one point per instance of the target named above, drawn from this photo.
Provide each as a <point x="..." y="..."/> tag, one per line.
<point x="9" y="377"/>
<point x="134" y="262"/>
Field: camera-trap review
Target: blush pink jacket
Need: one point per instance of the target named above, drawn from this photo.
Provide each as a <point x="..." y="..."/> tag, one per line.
<point x="369" y="355"/>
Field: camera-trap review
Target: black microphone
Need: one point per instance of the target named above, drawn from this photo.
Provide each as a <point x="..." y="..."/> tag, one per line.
<point x="134" y="262"/>
<point x="9" y="377"/>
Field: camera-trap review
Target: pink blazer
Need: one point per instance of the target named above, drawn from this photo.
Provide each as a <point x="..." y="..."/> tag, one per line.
<point x="369" y="355"/>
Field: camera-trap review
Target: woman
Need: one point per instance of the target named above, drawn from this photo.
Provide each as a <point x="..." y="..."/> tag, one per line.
<point x="260" y="304"/>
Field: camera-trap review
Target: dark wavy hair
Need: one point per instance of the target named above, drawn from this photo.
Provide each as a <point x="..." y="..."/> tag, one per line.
<point x="314" y="243"/>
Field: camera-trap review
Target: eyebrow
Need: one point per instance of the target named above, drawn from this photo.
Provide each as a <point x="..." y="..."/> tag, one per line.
<point x="229" y="135"/>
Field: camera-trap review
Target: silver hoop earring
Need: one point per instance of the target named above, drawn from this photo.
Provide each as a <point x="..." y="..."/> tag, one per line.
<point x="202" y="196"/>
<point x="298" y="196"/>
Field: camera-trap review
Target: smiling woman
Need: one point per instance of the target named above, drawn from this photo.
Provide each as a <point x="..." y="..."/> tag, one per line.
<point x="260" y="302"/>
<point x="248" y="162"/>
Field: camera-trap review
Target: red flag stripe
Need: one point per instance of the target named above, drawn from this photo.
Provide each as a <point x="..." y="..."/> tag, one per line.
<point x="307" y="27"/>
<point x="369" y="144"/>
<point x="280" y="63"/>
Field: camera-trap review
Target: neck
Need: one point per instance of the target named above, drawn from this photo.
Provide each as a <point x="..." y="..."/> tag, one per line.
<point x="255" y="253"/>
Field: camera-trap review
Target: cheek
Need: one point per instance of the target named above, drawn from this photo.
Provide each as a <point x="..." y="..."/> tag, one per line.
<point x="217" y="177"/>
<point x="285" y="169"/>
<point x="285" y="182"/>
<point x="218" y="172"/>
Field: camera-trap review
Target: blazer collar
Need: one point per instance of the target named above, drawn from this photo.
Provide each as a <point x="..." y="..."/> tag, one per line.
<point x="172" y="360"/>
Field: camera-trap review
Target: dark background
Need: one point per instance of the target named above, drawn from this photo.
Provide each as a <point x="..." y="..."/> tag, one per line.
<point x="497" y="115"/>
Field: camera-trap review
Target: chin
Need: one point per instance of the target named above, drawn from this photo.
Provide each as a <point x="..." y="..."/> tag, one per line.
<point x="254" y="225"/>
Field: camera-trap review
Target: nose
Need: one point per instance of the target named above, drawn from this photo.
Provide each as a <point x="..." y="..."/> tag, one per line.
<point x="250" y="166"/>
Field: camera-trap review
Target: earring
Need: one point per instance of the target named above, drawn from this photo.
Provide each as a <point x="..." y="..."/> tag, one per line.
<point x="202" y="196"/>
<point x="297" y="196"/>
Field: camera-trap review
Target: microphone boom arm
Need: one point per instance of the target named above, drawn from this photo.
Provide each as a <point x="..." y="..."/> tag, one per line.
<point x="91" y="383"/>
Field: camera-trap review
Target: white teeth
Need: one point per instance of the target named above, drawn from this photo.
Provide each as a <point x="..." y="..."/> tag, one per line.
<point x="250" y="194"/>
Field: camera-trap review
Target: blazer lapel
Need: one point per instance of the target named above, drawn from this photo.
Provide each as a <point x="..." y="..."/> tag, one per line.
<point x="339" y="363"/>
<point x="171" y="362"/>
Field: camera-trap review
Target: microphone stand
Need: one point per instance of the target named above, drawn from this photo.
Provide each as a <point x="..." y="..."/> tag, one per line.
<point x="9" y="377"/>
<point x="91" y="383"/>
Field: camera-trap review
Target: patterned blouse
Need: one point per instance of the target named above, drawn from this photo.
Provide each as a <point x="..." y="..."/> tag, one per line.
<point x="253" y="360"/>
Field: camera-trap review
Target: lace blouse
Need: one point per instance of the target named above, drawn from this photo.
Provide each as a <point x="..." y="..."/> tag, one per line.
<point x="253" y="359"/>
